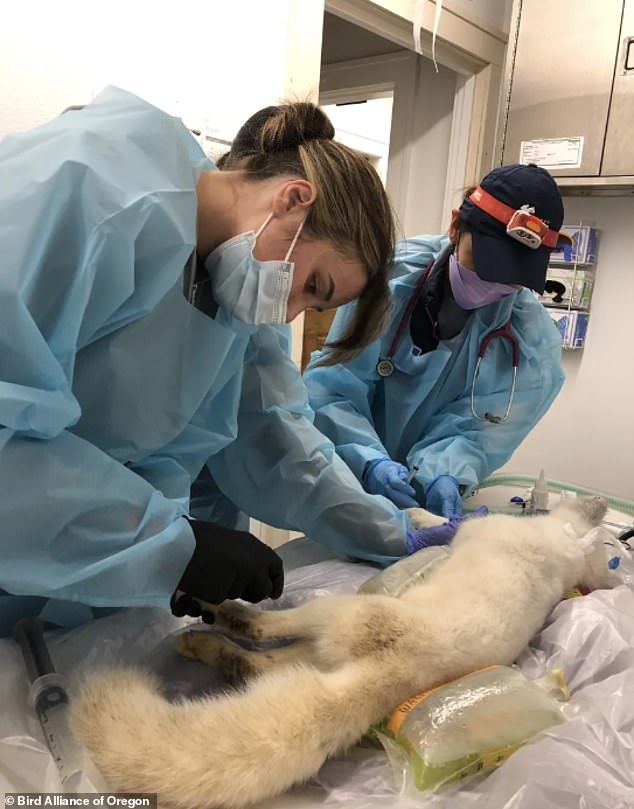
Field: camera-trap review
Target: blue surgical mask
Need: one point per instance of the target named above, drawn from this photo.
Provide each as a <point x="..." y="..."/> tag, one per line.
<point x="470" y="291"/>
<point x="255" y="292"/>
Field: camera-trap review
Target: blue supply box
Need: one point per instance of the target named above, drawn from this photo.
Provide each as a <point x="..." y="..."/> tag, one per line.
<point x="583" y="250"/>
<point x="571" y="325"/>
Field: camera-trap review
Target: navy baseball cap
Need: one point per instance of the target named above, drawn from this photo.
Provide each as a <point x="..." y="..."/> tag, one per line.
<point x="498" y="256"/>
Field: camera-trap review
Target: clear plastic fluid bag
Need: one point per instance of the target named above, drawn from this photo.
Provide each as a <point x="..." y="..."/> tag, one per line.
<point x="406" y="573"/>
<point x="470" y="725"/>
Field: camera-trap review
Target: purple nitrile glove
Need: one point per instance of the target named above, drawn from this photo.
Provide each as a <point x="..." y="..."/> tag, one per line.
<point x="419" y="538"/>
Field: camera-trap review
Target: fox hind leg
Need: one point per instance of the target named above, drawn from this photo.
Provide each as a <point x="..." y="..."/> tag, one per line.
<point x="235" y="662"/>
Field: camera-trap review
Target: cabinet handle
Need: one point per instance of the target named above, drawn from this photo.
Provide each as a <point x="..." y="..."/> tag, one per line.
<point x="628" y="55"/>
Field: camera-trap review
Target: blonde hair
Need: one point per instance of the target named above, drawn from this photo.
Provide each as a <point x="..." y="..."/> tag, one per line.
<point x="351" y="210"/>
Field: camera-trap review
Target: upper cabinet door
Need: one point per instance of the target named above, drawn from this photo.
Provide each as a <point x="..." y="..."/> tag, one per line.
<point x="618" y="157"/>
<point x="562" y="80"/>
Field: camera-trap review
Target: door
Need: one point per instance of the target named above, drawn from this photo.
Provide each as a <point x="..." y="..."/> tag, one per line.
<point x="562" y="79"/>
<point x="618" y="157"/>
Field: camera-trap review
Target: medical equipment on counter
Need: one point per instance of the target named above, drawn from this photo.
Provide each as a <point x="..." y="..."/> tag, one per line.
<point x="526" y="482"/>
<point x="536" y="499"/>
<point x="539" y="494"/>
<point x="48" y="697"/>
<point x="616" y="529"/>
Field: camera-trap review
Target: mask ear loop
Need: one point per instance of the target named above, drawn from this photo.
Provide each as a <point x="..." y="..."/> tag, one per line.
<point x="295" y="237"/>
<point x="263" y="225"/>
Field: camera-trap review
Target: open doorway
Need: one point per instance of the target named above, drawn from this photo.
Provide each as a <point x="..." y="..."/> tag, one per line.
<point x="365" y="125"/>
<point x="362" y="116"/>
<point x="392" y="105"/>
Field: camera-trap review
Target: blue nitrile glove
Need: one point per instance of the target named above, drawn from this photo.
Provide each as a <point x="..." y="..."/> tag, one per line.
<point x="419" y="538"/>
<point x="442" y="497"/>
<point x="385" y="476"/>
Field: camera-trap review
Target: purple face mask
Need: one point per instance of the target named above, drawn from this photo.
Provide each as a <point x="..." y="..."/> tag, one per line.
<point x="470" y="291"/>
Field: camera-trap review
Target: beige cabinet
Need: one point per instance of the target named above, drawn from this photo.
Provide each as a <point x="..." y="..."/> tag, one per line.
<point x="570" y="105"/>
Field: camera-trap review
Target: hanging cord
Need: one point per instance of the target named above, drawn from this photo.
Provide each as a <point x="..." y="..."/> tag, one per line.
<point x="418" y="24"/>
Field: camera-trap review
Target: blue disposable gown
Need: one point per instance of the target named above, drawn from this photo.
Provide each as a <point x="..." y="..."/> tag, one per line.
<point x="422" y="414"/>
<point x="115" y="391"/>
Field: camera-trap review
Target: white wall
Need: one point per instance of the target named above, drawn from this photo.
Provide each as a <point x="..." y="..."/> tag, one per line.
<point x="587" y="437"/>
<point x="199" y="59"/>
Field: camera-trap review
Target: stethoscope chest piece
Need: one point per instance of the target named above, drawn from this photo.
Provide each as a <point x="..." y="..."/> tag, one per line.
<point x="385" y="367"/>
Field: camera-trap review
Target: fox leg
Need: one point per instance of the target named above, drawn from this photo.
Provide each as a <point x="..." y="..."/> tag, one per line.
<point x="234" y="661"/>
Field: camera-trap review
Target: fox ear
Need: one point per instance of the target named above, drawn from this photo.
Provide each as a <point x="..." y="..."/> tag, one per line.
<point x="593" y="508"/>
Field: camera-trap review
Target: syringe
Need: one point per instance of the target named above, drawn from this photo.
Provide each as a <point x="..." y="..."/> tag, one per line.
<point x="412" y="474"/>
<point x="50" y="700"/>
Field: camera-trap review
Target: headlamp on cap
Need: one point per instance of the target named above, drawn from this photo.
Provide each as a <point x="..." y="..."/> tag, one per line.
<point x="527" y="228"/>
<point x="522" y="225"/>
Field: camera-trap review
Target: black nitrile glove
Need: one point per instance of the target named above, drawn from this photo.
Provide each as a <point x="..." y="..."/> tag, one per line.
<point x="227" y="564"/>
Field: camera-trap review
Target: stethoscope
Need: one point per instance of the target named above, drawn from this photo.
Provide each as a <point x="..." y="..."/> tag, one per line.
<point x="385" y="365"/>
<point x="505" y="333"/>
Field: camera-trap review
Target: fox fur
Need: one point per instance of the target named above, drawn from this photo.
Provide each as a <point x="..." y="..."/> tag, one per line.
<point x="354" y="660"/>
